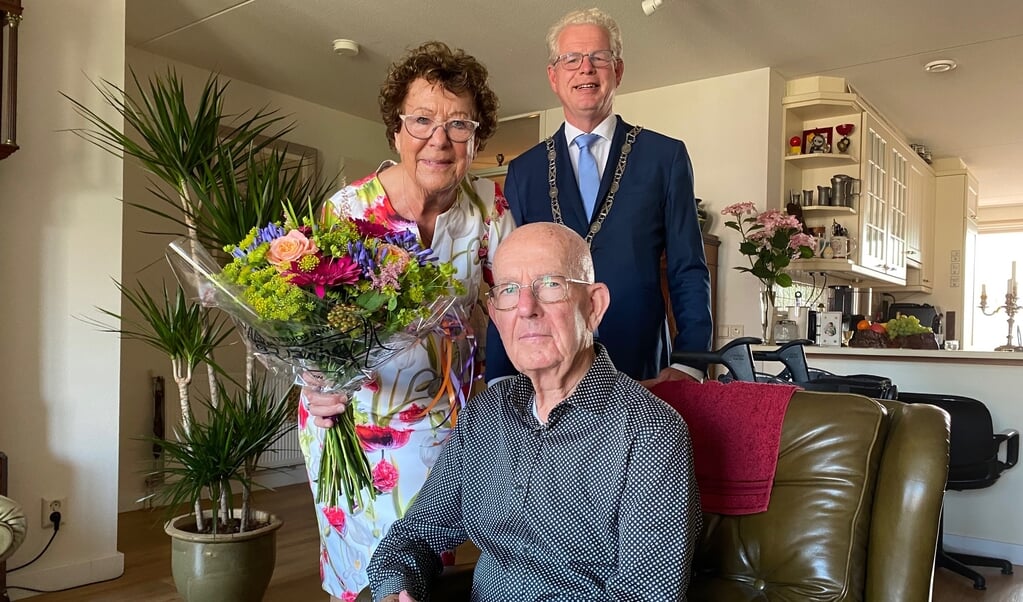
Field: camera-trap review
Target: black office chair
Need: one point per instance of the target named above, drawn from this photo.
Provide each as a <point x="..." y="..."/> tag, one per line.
<point x="973" y="464"/>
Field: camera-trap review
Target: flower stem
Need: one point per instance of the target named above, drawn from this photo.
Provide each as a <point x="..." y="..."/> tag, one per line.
<point x="343" y="465"/>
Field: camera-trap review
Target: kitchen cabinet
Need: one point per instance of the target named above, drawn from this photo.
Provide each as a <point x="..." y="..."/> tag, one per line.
<point x="920" y="232"/>
<point x="883" y="201"/>
<point x="884" y="218"/>
<point x="955" y="234"/>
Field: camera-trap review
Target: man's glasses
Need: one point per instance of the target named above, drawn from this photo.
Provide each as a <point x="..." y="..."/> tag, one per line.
<point x="546" y="289"/>
<point x="571" y="61"/>
<point x="423" y="127"/>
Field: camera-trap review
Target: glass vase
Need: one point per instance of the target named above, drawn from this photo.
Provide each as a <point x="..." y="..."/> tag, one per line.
<point x="766" y="312"/>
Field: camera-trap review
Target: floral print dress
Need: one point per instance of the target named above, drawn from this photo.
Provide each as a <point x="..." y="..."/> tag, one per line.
<point x="400" y="441"/>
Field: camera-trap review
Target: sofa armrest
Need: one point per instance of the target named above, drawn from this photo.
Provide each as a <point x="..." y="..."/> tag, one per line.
<point x="907" y="504"/>
<point x="12" y="527"/>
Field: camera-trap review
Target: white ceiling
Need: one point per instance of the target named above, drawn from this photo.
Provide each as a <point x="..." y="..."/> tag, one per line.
<point x="974" y="112"/>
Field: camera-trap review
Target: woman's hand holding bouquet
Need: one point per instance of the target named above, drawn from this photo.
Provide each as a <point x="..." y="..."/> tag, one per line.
<point x="323" y="407"/>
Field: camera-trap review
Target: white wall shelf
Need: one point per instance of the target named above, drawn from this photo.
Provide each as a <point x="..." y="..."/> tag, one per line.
<point x="827" y="210"/>
<point x="811" y="160"/>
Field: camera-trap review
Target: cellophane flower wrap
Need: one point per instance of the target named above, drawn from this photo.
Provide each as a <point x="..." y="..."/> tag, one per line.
<point x="770" y="240"/>
<point x="329" y="301"/>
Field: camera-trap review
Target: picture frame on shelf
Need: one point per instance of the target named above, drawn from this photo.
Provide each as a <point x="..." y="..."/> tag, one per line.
<point x="818" y="140"/>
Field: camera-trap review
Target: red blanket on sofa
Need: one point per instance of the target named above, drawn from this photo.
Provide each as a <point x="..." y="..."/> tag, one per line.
<point x="736" y="431"/>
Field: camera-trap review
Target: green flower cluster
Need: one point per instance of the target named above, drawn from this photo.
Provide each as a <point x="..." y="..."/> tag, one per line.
<point x="269" y="294"/>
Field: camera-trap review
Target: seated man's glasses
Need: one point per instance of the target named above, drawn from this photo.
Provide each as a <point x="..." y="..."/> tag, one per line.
<point x="573" y="60"/>
<point x="546" y="289"/>
<point x="423" y="127"/>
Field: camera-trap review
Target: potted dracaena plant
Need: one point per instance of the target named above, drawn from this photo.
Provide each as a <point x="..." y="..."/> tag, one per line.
<point x="219" y="176"/>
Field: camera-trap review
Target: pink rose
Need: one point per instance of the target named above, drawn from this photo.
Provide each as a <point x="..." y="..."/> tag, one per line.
<point x="385" y="476"/>
<point x="291" y="247"/>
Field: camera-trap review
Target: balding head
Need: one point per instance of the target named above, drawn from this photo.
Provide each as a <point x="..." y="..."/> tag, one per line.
<point x="556" y="242"/>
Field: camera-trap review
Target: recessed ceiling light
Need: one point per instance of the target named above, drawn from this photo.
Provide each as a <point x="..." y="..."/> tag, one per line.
<point x="346" y="47"/>
<point x="940" y="66"/>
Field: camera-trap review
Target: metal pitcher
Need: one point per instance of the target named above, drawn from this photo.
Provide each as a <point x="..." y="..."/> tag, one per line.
<point x="824" y="195"/>
<point x="844" y="188"/>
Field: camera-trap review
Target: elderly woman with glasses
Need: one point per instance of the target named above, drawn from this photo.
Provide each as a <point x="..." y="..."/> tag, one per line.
<point x="439" y="111"/>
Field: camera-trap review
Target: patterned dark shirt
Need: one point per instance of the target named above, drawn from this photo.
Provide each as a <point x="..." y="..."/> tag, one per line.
<point x="600" y="503"/>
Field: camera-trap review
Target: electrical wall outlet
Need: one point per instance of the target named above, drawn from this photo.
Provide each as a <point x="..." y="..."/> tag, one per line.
<point x="729" y="331"/>
<point x="51" y="505"/>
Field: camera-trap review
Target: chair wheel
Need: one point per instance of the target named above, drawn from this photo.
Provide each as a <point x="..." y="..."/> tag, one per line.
<point x="979" y="586"/>
<point x="1007" y="571"/>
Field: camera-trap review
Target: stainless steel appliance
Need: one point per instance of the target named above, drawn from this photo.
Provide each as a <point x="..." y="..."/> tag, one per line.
<point x="851" y="301"/>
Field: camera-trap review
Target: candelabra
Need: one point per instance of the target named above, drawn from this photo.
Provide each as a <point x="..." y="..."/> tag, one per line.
<point x="1010" y="308"/>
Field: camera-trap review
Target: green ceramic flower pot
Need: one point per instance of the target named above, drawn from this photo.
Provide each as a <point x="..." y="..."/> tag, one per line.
<point x="222" y="568"/>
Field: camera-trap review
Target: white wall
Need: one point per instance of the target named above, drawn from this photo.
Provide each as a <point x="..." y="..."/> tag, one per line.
<point x="62" y="245"/>
<point x="728" y="124"/>
<point x="338" y="137"/>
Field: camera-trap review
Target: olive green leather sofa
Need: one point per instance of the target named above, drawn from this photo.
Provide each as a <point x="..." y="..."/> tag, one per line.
<point x="854" y="511"/>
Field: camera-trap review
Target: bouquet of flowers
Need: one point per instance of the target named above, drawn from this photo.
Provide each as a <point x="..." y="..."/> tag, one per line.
<point x="328" y="300"/>
<point x="770" y="240"/>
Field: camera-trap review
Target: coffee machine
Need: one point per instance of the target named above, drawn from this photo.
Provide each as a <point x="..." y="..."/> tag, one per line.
<point x="854" y="303"/>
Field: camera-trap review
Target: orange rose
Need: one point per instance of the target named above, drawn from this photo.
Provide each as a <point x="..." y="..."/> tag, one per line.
<point x="291" y="247"/>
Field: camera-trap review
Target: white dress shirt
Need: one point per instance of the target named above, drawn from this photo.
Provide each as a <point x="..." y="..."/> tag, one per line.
<point x="599" y="148"/>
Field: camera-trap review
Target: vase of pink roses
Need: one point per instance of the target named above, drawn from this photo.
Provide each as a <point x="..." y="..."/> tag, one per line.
<point x="770" y="241"/>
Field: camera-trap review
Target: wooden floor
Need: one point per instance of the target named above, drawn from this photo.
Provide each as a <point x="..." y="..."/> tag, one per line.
<point x="147" y="561"/>
<point x="146" y="550"/>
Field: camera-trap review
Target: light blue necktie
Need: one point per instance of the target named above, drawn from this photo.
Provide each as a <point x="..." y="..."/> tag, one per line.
<point x="589" y="176"/>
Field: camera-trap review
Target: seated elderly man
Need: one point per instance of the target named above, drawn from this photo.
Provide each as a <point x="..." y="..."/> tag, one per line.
<point x="572" y="479"/>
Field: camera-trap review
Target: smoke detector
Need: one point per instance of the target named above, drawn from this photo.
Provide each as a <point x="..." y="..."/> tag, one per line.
<point x="650" y="6"/>
<point x="346" y="47"/>
<point x="940" y="66"/>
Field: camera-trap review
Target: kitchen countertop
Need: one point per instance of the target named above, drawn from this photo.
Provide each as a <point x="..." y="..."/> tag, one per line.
<point x="1010" y="358"/>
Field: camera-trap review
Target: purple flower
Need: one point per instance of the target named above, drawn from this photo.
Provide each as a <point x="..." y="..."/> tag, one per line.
<point x="407" y="240"/>
<point x="362" y="257"/>
<point x="263" y="235"/>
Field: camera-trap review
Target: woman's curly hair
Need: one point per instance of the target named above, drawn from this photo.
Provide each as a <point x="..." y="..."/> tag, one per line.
<point x="456" y="71"/>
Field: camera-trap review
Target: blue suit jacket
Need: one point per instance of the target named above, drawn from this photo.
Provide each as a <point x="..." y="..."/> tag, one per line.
<point x="654" y="211"/>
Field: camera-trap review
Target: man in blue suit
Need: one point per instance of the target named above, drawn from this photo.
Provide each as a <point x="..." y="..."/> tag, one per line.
<point x="642" y="207"/>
